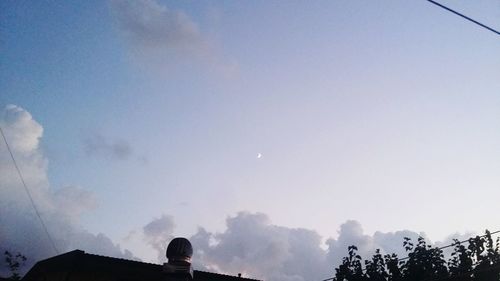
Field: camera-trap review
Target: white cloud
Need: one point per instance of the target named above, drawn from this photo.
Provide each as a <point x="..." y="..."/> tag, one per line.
<point x="351" y="233"/>
<point x="24" y="132"/>
<point x="252" y="245"/>
<point x="158" y="232"/>
<point x="60" y="209"/>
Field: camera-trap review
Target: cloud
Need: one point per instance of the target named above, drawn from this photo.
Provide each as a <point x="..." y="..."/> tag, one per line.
<point x="60" y="208"/>
<point x="24" y="132"/>
<point x="158" y="232"/>
<point x="65" y="198"/>
<point x="351" y="233"/>
<point x="163" y="37"/>
<point x="153" y="27"/>
<point x="98" y="145"/>
<point x="252" y="245"/>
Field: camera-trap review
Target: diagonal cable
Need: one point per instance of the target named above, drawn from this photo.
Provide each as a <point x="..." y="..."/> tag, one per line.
<point x="464" y="16"/>
<point x="29" y="193"/>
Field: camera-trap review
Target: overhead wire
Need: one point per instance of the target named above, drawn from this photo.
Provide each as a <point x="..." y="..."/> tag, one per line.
<point x="29" y="193"/>
<point x="464" y="16"/>
<point x="453" y="244"/>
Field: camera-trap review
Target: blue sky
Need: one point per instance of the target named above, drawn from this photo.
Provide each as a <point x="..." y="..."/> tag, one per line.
<point x="384" y="112"/>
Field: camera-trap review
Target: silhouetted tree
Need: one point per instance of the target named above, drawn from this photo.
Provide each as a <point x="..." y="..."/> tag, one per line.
<point x="460" y="265"/>
<point x="392" y="264"/>
<point x="424" y="262"/>
<point x="14" y="263"/>
<point x="375" y="269"/>
<point x="479" y="261"/>
<point x="351" y="268"/>
<point x="486" y="255"/>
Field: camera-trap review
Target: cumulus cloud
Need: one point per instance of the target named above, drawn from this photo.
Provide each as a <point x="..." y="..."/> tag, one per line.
<point x="60" y="208"/>
<point x="351" y="233"/>
<point x="252" y="245"/>
<point x="24" y="133"/>
<point x="98" y="145"/>
<point x="158" y="232"/>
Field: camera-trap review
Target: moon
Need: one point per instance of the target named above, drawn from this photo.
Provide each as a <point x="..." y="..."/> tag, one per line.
<point x="259" y="155"/>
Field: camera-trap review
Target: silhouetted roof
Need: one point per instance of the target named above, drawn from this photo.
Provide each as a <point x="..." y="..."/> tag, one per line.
<point x="78" y="265"/>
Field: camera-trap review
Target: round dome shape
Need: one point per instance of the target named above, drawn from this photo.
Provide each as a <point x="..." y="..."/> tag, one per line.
<point x="179" y="250"/>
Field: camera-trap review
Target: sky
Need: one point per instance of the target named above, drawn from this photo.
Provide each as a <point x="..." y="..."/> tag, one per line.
<point x="272" y="134"/>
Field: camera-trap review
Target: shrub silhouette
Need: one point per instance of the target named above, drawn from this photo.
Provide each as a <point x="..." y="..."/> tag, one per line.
<point x="479" y="261"/>
<point x="14" y="263"/>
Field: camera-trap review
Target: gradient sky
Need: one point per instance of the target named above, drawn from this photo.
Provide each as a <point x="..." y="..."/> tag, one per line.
<point x="385" y="112"/>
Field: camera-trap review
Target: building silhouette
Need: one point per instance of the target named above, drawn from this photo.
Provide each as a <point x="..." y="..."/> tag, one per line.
<point x="80" y="266"/>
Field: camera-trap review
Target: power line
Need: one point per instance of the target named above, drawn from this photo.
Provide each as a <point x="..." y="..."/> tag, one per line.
<point x="440" y="248"/>
<point x="453" y="244"/>
<point x="464" y="16"/>
<point x="28" y="192"/>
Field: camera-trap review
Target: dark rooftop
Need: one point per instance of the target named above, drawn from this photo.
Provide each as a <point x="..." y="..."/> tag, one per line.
<point x="78" y="266"/>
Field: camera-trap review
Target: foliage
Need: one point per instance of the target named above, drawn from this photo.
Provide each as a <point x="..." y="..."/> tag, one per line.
<point x="14" y="263"/>
<point x="479" y="261"/>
